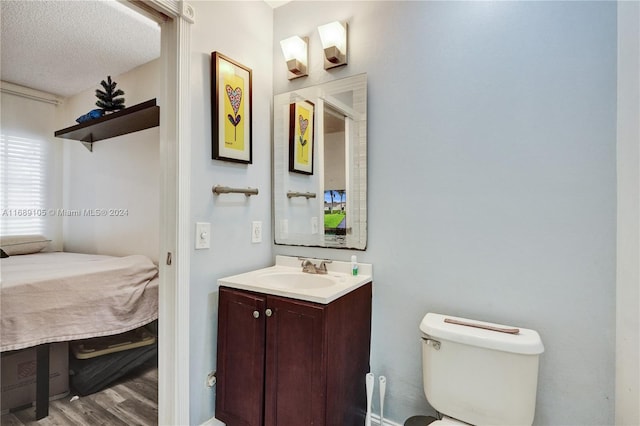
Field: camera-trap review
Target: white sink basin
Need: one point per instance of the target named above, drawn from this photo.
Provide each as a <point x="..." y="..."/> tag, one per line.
<point x="286" y="279"/>
<point x="295" y="280"/>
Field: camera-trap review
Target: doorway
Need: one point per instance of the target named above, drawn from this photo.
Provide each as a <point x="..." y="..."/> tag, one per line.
<point x="173" y="336"/>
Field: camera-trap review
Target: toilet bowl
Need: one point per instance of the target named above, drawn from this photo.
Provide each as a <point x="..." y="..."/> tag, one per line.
<point x="479" y="373"/>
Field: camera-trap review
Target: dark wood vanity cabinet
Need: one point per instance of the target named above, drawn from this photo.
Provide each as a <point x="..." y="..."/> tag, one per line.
<point x="287" y="362"/>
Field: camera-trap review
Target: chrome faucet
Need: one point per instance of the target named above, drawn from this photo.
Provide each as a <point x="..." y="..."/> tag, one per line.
<point x="310" y="268"/>
<point x="322" y="269"/>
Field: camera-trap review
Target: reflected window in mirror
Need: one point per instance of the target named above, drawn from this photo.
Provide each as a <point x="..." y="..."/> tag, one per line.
<point x="335" y="193"/>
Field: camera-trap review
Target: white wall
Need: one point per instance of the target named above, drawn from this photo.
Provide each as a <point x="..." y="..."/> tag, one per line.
<point x="120" y="173"/>
<point x="334" y="162"/>
<point x="627" y="289"/>
<point x="492" y="130"/>
<point x="243" y="32"/>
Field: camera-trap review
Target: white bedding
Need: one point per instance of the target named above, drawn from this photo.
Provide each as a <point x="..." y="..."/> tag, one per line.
<point x="56" y="297"/>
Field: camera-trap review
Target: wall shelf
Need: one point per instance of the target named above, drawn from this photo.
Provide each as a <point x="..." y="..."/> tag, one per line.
<point x="135" y="118"/>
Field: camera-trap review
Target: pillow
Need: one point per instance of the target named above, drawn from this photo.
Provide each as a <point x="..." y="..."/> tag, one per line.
<point x="22" y="244"/>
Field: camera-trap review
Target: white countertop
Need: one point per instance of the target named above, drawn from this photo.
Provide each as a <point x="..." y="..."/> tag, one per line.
<point x="338" y="272"/>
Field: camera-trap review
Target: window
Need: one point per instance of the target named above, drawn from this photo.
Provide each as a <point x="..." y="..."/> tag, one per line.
<point x="23" y="185"/>
<point x="30" y="158"/>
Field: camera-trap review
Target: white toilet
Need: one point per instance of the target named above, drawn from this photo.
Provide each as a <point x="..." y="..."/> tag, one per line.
<point x="479" y="376"/>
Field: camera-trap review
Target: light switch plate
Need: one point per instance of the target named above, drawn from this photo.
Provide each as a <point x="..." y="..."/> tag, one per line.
<point x="203" y="235"/>
<point x="256" y="232"/>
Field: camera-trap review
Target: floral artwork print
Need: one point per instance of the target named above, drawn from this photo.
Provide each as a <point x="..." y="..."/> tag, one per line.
<point x="301" y="142"/>
<point x="235" y="97"/>
<point x="304" y="123"/>
<point x="231" y="111"/>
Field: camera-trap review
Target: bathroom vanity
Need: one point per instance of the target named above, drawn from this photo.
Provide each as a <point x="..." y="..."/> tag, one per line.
<point x="288" y="361"/>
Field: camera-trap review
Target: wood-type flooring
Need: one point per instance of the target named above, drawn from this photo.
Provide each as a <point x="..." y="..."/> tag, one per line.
<point x="132" y="400"/>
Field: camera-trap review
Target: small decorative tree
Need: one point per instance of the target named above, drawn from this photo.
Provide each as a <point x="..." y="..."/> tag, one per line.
<point x="108" y="99"/>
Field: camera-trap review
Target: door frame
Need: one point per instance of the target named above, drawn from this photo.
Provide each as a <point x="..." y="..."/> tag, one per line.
<point x="175" y="161"/>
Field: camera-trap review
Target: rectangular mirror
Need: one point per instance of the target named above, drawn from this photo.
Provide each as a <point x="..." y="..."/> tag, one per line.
<point x="320" y="165"/>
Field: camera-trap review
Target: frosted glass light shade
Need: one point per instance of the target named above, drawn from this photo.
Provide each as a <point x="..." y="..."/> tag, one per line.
<point x="295" y="54"/>
<point x="334" y="42"/>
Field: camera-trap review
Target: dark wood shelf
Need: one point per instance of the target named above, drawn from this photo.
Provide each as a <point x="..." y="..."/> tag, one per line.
<point x="135" y="118"/>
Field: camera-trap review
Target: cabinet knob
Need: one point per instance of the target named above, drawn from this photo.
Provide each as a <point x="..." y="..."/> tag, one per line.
<point x="256" y="314"/>
<point x="268" y="312"/>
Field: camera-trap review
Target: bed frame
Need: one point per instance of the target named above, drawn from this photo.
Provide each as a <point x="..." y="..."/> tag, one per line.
<point x="42" y="381"/>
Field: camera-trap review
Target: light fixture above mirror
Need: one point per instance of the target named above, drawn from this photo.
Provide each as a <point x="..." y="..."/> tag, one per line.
<point x="295" y="50"/>
<point x="334" y="42"/>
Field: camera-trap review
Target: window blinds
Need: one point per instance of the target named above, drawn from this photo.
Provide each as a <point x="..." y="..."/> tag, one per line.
<point x="29" y="177"/>
<point x="23" y="188"/>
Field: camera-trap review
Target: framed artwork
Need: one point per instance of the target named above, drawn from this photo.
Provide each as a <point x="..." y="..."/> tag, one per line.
<point x="230" y="110"/>
<point x="301" y="137"/>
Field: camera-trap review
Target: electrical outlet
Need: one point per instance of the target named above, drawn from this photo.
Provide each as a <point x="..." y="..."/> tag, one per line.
<point x="256" y="232"/>
<point x="211" y="379"/>
<point x="203" y="235"/>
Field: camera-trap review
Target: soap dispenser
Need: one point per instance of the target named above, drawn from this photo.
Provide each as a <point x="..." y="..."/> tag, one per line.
<point x="354" y="265"/>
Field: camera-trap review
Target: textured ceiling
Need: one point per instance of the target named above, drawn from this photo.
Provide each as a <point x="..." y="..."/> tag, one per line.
<point x="65" y="47"/>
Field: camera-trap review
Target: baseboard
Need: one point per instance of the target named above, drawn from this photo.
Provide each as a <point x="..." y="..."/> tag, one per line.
<point x="213" y="422"/>
<point x="375" y="420"/>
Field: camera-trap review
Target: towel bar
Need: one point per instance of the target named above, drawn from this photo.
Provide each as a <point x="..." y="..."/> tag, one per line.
<point x="217" y="190"/>
<point x="306" y="195"/>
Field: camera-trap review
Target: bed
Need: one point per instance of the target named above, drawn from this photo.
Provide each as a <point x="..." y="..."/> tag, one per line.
<point x="58" y="297"/>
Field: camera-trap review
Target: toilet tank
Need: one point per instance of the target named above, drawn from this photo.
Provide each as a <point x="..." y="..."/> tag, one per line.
<point x="480" y="376"/>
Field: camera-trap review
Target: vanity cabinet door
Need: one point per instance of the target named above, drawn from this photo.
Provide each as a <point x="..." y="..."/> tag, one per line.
<point x="295" y="386"/>
<point x="240" y="370"/>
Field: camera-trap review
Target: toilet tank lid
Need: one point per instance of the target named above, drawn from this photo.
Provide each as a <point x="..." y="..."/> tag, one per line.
<point x="525" y="342"/>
